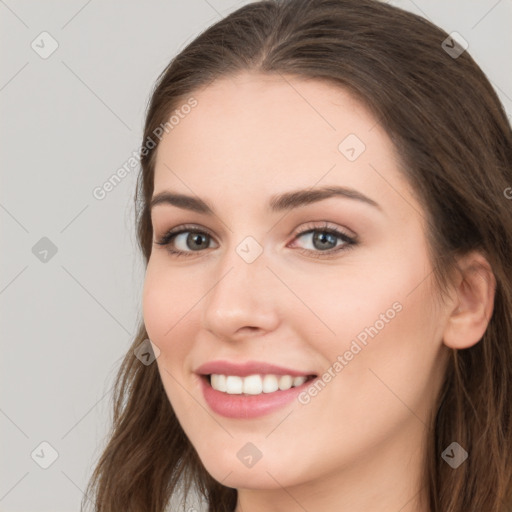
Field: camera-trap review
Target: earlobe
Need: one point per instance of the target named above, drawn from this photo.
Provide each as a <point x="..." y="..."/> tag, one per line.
<point x="474" y="292"/>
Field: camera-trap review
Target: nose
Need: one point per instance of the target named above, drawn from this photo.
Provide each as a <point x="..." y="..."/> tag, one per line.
<point x="242" y="299"/>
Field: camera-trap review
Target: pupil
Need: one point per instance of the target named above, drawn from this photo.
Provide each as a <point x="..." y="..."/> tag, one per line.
<point x="194" y="237"/>
<point x="322" y="239"/>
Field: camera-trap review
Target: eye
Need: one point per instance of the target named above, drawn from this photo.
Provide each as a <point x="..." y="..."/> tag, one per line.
<point x="185" y="236"/>
<point x="324" y="239"/>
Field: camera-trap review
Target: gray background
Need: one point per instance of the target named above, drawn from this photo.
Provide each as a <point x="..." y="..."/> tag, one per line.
<point x="68" y="122"/>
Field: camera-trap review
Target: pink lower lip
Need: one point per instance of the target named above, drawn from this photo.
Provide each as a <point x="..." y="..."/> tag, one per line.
<point x="248" y="406"/>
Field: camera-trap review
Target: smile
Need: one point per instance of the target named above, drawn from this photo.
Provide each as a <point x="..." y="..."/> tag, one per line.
<point x="234" y="402"/>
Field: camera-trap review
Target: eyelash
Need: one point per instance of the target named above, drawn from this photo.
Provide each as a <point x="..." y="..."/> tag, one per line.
<point x="350" y="242"/>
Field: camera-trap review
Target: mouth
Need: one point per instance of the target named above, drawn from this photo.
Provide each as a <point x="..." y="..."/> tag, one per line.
<point x="256" y="384"/>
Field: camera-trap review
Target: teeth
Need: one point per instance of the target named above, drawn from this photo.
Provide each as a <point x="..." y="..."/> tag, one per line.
<point x="298" y="381"/>
<point x="254" y="384"/>
<point x="285" y="382"/>
<point x="234" y="385"/>
<point x="219" y="382"/>
<point x="270" y="384"/>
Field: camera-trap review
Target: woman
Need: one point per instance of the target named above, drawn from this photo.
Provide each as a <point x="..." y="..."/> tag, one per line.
<point x="324" y="215"/>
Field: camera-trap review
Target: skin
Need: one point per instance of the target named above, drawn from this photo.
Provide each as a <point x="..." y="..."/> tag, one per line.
<point x="359" y="444"/>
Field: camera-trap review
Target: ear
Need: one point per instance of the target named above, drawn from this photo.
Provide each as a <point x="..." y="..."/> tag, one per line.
<point x="473" y="304"/>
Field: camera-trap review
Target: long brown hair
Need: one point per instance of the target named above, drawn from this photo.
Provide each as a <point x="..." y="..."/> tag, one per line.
<point x="455" y="147"/>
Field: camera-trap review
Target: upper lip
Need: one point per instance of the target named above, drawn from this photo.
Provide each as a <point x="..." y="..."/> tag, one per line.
<point x="247" y="368"/>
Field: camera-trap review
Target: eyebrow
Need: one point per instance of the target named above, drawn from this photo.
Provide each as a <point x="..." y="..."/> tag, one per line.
<point x="282" y="202"/>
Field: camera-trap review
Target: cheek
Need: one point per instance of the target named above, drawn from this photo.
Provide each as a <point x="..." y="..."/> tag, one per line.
<point x="370" y="302"/>
<point x="381" y="312"/>
<point x="155" y="303"/>
<point x="169" y="317"/>
<point x="390" y="350"/>
<point x="168" y="308"/>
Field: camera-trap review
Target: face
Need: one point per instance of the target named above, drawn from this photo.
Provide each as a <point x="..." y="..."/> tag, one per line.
<point x="338" y="287"/>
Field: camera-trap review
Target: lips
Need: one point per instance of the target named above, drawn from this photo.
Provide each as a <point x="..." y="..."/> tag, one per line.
<point x="244" y="406"/>
<point x="249" y="368"/>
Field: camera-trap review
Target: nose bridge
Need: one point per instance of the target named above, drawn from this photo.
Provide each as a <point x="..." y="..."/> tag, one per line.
<point x="240" y="295"/>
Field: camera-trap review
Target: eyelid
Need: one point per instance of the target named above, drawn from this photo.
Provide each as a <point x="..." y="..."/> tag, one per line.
<point x="311" y="225"/>
<point x="328" y="226"/>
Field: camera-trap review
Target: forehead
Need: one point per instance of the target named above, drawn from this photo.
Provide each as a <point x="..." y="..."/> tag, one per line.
<point x="253" y="133"/>
<point x="263" y="106"/>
